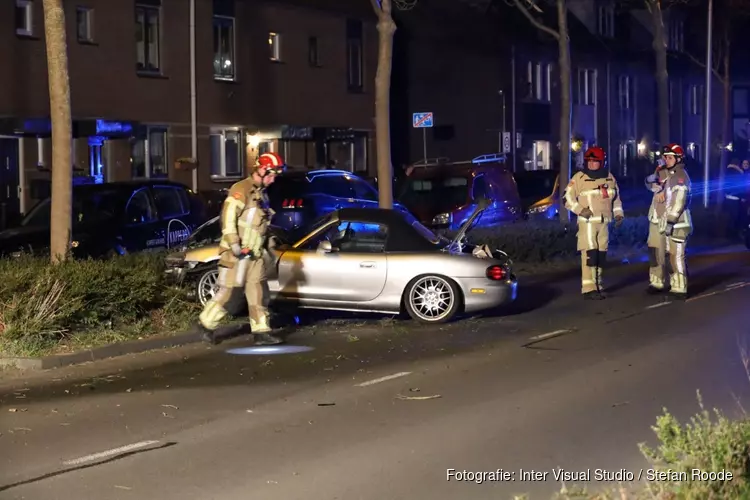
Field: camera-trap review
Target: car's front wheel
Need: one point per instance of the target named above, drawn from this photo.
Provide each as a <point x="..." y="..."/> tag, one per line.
<point x="207" y="285"/>
<point x="432" y="299"/>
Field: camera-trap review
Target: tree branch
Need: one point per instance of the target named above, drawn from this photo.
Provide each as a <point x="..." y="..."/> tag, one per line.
<point x="703" y="65"/>
<point x="533" y="21"/>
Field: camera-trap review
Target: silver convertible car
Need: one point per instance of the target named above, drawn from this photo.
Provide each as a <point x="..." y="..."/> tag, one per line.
<point x="372" y="260"/>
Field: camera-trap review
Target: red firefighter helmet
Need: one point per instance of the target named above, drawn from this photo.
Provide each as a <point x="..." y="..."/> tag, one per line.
<point x="674" y="150"/>
<point x="272" y="162"/>
<point x="595" y="153"/>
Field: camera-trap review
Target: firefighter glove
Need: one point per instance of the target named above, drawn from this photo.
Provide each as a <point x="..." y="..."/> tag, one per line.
<point x="618" y="220"/>
<point x="237" y="250"/>
<point x="652" y="179"/>
<point x="670" y="229"/>
<point x="586" y="213"/>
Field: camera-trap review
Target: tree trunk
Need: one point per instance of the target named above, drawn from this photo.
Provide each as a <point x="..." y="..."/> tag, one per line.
<point x="565" y="105"/>
<point x="726" y="137"/>
<point x="662" y="71"/>
<point x="59" y="95"/>
<point x="386" y="30"/>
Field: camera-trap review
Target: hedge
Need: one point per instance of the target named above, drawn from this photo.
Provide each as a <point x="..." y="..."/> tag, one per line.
<point x="705" y="443"/>
<point x="42" y="305"/>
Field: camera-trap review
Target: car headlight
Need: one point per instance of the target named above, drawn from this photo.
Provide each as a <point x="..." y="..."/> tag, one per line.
<point x="441" y="219"/>
<point x="538" y="210"/>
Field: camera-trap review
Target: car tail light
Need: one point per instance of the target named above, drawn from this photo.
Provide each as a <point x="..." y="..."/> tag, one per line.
<point x="292" y="203"/>
<point x="496" y="273"/>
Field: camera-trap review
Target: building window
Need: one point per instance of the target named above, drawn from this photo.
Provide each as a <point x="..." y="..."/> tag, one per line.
<point x="224" y="59"/>
<point x="313" y="54"/>
<point x="85" y="24"/>
<point x="696" y="100"/>
<point x="676" y="34"/>
<point x="149" y="156"/>
<point x="24" y="18"/>
<point x="226" y="153"/>
<point x="586" y="92"/>
<point x="607" y="21"/>
<point x="354" y="55"/>
<point x="147" y="38"/>
<point x="623" y="91"/>
<point x="539" y="80"/>
<point x="274" y="46"/>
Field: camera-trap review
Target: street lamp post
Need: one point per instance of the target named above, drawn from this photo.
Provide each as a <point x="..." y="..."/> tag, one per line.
<point x="707" y="126"/>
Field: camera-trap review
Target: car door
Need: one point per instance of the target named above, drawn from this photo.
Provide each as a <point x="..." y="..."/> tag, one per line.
<point x="365" y="196"/>
<point x="355" y="271"/>
<point x="173" y="208"/>
<point x="141" y="228"/>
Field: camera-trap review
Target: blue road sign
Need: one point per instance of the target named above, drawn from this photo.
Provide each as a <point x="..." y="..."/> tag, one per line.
<point x="422" y="120"/>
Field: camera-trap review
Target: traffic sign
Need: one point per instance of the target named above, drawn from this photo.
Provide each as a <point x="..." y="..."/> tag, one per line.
<point x="506" y="142"/>
<point x="422" y="120"/>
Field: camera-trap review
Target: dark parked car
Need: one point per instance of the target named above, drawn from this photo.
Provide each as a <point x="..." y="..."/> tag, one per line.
<point x="114" y="218"/>
<point x="300" y="197"/>
<point x="443" y="194"/>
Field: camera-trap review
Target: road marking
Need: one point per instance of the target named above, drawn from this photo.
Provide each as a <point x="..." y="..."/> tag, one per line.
<point x="736" y="285"/>
<point x="549" y="335"/>
<point x="730" y="288"/>
<point x="660" y="304"/>
<point x="383" y="379"/>
<point x="109" y="453"/>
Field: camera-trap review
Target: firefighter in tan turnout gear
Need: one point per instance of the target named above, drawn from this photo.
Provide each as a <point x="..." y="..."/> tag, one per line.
<point x="670" y="223"/>
<point x="245" y="217"/>
<point x="593" y="195"/>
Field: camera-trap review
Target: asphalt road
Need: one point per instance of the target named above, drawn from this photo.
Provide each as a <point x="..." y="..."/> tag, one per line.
<point x="200" y="422"/>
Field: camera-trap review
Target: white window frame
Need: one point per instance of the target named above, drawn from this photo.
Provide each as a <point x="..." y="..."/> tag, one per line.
<point x="676" y="35"/>
<point x="159" y="63"/>
<point x="147" y="168"/>
<point x="222" y="132"/>
<point x="623" y="91"/>
<point x="274" y="46"/>
<point x="233" y="54"/>
<point x="540" y="81"/>
<point x="607" y="21"/>
<point x="696" y="100"/>
<point x="28" y="7"/>
<point x="587" y="81"/>
<point x="88" y="15"/>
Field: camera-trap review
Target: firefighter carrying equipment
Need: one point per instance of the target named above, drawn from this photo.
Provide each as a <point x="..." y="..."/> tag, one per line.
<point x="245" y="218"/>
<point x="596" y="202"/>
<point x="670" y="225"/>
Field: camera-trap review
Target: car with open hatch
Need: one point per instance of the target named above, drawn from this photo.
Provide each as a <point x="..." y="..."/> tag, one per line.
<point x="370" y="260"/>
<point x="113" y="218"/>
<point x="443" y="194"/>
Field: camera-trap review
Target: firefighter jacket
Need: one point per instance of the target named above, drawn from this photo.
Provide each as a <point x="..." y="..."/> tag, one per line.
<point x="601" y="196"/>
<point x="245" y="217"/>
<point x="673" y="187"/>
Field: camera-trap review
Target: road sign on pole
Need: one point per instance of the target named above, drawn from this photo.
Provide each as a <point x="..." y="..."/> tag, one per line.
<point x="506" y="142"/>
<point x="422" y="120"/>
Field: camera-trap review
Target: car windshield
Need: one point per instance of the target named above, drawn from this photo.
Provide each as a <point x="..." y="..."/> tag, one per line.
<point x="535" y="186"/>
<point x="423" y="231"/>
<point x="208" y="233"/>
<point x="438" y="193"/>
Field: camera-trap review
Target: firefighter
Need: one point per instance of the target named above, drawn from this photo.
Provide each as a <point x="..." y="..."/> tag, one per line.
<point x="245" y="217"/>
<point x="593" y="195"/>
<point x="670" y="223"/>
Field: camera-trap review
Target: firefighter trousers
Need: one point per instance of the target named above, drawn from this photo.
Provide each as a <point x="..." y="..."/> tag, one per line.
<point x="593" y="243"/>
<point x="666" y="257"/>
<point x="247" y="274"/>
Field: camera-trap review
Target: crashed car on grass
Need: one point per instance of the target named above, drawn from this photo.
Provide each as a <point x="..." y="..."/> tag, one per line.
<point x="371" y="260"/>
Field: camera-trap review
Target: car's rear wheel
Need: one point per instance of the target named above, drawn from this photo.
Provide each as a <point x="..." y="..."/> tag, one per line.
<point x="207" y="286"/>
<point x="432" y="299"/>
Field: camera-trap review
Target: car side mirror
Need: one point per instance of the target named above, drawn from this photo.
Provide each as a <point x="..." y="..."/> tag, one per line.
<point x="325" y="247"/>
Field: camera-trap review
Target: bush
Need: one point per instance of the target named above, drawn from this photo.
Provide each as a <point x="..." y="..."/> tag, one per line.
<point x="536" y="241"/>
<point x="43" y="305"/>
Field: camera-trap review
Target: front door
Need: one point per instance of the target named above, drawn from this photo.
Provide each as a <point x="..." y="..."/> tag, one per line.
<point x="10" y="203"/>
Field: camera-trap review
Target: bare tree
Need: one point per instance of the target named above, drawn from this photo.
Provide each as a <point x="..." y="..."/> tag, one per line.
<point x="59" y="96"/>
<point x="662" y="70"/>
<point x="386" y="30"/>
<point x="563" y="43"/>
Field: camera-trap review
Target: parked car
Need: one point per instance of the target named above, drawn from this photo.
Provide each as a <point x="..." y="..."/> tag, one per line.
<point x="539" y="193"/>
<point x="443" y="194"/>
<point x="368" y="259"/>
<point x="114" y="218"/>
<point x="300" y="197"/>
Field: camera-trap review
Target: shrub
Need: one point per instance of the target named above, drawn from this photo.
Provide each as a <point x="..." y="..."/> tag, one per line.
<point x="43" y="304"/>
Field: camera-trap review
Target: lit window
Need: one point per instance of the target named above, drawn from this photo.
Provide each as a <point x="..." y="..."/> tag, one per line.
<point x="226" y="153"/>
<point x="85" y="24"/>
<point x="149" y="156"/>
<point x="224" y="60"/>
<point x="274" y="46"/>
<point x="147" y="38"/>
<point x="354" y="55"/>
<point x="24" y="17"/>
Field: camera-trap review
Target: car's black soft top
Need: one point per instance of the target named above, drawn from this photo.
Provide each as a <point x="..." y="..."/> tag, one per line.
<point x="402" y="235"/>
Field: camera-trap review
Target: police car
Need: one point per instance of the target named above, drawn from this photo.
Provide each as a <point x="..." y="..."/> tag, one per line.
<point x="114" y="218"/>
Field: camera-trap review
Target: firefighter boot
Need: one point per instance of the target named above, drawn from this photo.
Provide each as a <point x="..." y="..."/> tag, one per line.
<point x="207" y="336"/>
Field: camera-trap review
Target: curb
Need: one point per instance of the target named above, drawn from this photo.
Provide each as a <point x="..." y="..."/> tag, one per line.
<point x="100" y="353"/>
